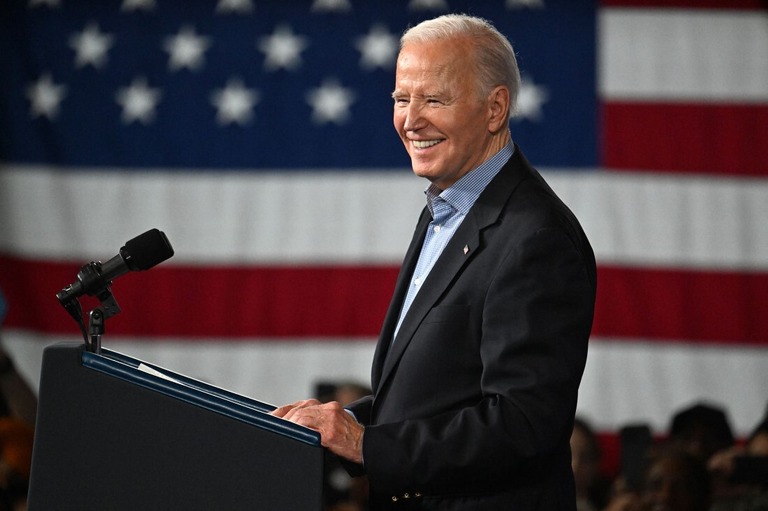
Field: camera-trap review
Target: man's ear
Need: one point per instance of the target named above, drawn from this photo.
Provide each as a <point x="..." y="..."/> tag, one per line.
<point x="498" y="108"/>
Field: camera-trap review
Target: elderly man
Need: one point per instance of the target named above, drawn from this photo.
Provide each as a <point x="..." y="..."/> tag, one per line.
<point x="476" y="372"/>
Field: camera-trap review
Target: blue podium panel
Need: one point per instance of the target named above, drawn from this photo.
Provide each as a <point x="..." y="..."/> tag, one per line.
<point x="110" y="436"/>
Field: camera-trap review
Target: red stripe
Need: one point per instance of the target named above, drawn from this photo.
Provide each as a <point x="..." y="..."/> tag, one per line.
<point x="210" y="301"/>
<point x="706" y="306"/>
<point x="702" y="138"/>
<point x="350" y="301"/>
<point x="688" y="4"/>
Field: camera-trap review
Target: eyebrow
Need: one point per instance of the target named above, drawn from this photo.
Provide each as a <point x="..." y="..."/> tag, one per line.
<point x="429" y="94"/>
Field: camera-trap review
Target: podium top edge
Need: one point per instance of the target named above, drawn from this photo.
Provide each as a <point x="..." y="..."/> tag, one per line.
<point x="194" y="392"/>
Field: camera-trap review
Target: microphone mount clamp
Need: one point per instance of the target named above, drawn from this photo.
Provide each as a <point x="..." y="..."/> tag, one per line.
<point x="92" y="283"/>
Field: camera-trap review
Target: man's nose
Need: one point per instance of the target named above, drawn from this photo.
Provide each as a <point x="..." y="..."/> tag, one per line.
<point x="414" y="118"/>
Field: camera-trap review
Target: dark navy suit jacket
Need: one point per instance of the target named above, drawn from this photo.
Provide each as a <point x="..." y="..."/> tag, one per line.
<point x="473" y="402"/>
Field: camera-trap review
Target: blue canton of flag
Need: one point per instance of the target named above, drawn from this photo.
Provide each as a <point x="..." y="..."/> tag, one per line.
<point x="261" y="85"/>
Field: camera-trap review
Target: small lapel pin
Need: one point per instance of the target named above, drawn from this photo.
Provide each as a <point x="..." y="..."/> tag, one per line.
<point x="466" y="249"/>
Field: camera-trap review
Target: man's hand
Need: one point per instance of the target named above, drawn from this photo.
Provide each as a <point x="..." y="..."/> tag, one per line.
<point x="339" y="432"/>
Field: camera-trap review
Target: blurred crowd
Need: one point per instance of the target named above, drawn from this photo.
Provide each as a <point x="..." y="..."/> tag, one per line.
<point x="18" y="405"/>
<point x="18" y="409"/>
<point x="697" y="465"/>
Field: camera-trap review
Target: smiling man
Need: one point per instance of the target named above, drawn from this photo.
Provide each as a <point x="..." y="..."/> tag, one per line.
<point x="449" y="122"/>
<point x="477" y="368"/>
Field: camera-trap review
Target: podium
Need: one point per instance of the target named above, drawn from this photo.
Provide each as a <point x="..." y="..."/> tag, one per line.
<point x="112" y="436"/>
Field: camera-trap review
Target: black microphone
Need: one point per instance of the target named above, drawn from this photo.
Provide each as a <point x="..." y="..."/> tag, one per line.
<point x="141" y="253"/>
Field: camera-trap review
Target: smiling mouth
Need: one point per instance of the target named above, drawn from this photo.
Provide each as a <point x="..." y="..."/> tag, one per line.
<point x="423" y="144"/>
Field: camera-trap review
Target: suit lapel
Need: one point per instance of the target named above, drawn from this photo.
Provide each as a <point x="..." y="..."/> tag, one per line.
<point x="401" y="287"/>
<point x="464" y="244"/>
<point x="448" y="265"/>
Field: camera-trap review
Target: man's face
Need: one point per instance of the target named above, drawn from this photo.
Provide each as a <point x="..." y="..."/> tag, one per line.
<point x="438" y="112"/>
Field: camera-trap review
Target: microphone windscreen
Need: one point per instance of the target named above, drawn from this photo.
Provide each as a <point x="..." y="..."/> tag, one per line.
<point x="146" y="250"/>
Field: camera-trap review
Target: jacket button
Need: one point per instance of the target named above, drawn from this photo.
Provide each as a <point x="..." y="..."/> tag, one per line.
<point x="406" y="496"/>
<point x="394" y="498"/>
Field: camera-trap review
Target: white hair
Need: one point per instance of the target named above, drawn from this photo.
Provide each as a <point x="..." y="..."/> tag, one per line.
<point x="495" y="60"/>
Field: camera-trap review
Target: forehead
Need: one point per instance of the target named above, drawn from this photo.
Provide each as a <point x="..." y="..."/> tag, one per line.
<point x="442" y="61"/>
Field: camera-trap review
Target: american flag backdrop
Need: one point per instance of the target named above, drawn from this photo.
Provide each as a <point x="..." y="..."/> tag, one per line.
<point x="257" y="135"/>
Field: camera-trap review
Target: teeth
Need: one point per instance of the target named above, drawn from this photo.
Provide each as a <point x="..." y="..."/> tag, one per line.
<point x="423" y="144"/>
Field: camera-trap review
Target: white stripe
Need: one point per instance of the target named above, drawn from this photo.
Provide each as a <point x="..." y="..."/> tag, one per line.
<point x="272" y="371"/>
<point x="624" y="382"/>
<point x="628" y="382"/>
<point x="670" y="220"/>
<point x="346" y="217"/>
<point x="663" y="54"/>
<point x="211" y="217"/>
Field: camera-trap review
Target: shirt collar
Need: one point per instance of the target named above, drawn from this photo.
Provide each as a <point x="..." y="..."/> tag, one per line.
<point x="462" y="194"/>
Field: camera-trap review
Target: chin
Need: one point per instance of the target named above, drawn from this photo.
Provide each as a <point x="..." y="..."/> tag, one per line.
<point x="426" y="174"/>
<point x="423" y="170"/>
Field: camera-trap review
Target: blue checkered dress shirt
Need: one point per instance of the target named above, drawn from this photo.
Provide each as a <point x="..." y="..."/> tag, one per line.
<point x="449" y="208"/>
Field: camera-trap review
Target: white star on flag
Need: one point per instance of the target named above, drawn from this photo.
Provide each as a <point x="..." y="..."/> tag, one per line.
<point x="331" y="6"/>
<point x="282" y="49"/>
<point x="186" y="49"/>
<point x="45" y="96"/>
<point x="49" y="3"/>
<point x="91" y="46"/>
<point x="378" y="48"/>
<point x="234" y="103"/>
<point x="330" y="102"/>
<point x="428" y="5"/>
<point x="520" y="4"/>
<point x="530" y="100"/>
<point x="135" y="5"/>
<point x="239" y="6"/>
<point x="138" y="101"/>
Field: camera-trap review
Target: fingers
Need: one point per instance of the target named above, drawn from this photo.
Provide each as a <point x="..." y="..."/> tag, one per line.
<point x="339" y="431"/>
<point x="287" y="411"/>
<point x="309" y="413"/>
